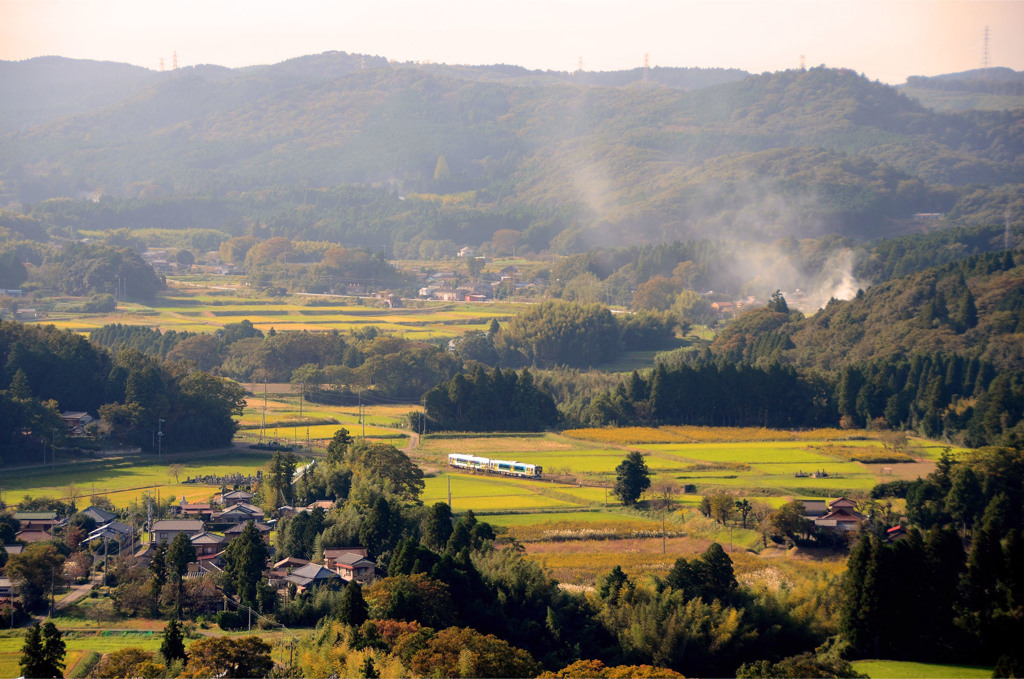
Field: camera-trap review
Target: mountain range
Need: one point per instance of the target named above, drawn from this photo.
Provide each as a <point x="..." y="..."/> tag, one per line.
<point x="363" y="151"/>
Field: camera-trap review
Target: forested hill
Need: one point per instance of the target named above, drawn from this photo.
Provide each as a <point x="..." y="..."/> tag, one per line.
<point x="972" y="308"/>
<point x="580" y="164"/>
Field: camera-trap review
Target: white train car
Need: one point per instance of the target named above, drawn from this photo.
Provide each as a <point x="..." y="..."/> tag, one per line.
<point x="471" y="462"/>
<point x="511" y="468"/>
<point x="505" y="467"/>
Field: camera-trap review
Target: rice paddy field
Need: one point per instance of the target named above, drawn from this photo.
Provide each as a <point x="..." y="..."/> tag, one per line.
<point x="581" y="467"/>
<point x="571" y="523"/>
<point x="896" y="669"/>
<point x="127" y="479"/>
<point x="205" y="305"/>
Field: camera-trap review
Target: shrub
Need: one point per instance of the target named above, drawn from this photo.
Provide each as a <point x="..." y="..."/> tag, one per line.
<point x="229" y="620"/>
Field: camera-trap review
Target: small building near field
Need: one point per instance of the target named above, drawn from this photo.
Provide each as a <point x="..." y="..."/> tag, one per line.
<point x="842" y="516"/>
<point x="234" y="497"/>
<point x="350" y="564"/>
<point x="99" y="515"/>
<point x="207" y="544"/>
<point x="238" y="513"/>
<point x="75" y="422"/>
<point x="312" y="575"/>
<point x="166" y="529"/>
<point x="815" y="509"/>
<point x="37" y="520"/>
<point x="236" y="530"/>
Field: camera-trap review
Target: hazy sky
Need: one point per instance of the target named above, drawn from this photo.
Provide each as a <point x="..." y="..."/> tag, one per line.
<point x="884" y="39"/>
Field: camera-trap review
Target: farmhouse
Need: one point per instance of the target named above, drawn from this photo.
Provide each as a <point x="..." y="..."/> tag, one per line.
<point x="165" y="530"/>
<point x="199" y="510"/>
<point x="36" y="521"/>
<point x="815" y="509"/>
<point x="99" y="515"/>
<point x="207" y="544"/>
<point x="75" y="422"/>
<point x="238" y="513"/>
<point x="235" y="497"/>
<point x="841" y="517"/>
<point x="236" y="530"/>
<point x="312" y="575"/>
<point x="350" y="564"/>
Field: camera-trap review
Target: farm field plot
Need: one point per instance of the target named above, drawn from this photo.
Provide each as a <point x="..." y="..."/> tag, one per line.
<point x="694" y="434"/>
<point x="195" y="307"/>
<point x="77" y="645"/>
<point x="768" y="452"/>
<point x="896" y="669"/>
<point x="124" y="479"/>
<point x="488" y="494"/>
<point x="502" y="446"/>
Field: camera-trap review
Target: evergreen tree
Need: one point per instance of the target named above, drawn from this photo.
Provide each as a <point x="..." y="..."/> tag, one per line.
<point x="244" y="560"/>
<point x="173" y="645"/>
<point x="717" y="572"/>
<point x="180" y="553"/>
<point x="338" y="446"/>
<point x="42" y="654"/>
<point x="632" y="478"/>
<point x="438" y="526"/>
<point x="777" y="303"/>
<point x="352" y="609"/>
<point x="858" y="614"/>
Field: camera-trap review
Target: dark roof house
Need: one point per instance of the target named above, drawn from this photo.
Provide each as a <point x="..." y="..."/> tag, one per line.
<point x="99" y="515"/>
<point x="166" y="529"/>
<point x="312" y="575"/>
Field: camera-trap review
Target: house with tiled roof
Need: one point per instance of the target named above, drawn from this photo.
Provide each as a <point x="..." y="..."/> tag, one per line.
<point x="165" y="530"/>
<point x="236" y="530"/>
<point x="842" y="516"/>
<point x="312" y="575"/>
<point x="350" y="564"/>
<point x="99" y="515"/>
<point x="238" y="513"/>
<point x="207" y="544"/>
<point x="234" y="497"/>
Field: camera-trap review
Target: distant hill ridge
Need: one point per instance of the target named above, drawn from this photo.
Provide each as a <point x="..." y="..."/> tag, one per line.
<point x="583" y="159"/>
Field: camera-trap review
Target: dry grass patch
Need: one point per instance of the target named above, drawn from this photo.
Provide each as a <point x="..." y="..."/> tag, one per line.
<point x="867" y="454"/>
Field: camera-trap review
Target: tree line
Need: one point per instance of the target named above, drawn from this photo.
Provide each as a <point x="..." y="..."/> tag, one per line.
<point x="47" y="371"/>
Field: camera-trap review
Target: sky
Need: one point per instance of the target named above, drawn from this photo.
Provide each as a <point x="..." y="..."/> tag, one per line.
<point x="886" y="40"/>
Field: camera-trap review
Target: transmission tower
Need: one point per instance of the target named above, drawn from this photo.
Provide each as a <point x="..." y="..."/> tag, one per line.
<point x="579" y="69"/>
<point x="175" y="61"/>
<point x="161" y="64"/>
<point x="803" y="63"/>
<point x="984" y="53"/>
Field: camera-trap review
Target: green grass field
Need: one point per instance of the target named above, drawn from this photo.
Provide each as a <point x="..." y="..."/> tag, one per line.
<point x="896" y="669"/>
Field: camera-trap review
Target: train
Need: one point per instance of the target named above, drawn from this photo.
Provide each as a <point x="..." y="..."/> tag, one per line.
<point x="486" y="464"/>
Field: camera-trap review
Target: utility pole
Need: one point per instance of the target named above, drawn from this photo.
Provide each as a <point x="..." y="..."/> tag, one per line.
<point x="159" y="438"/>
<point x="663" y="538"/>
